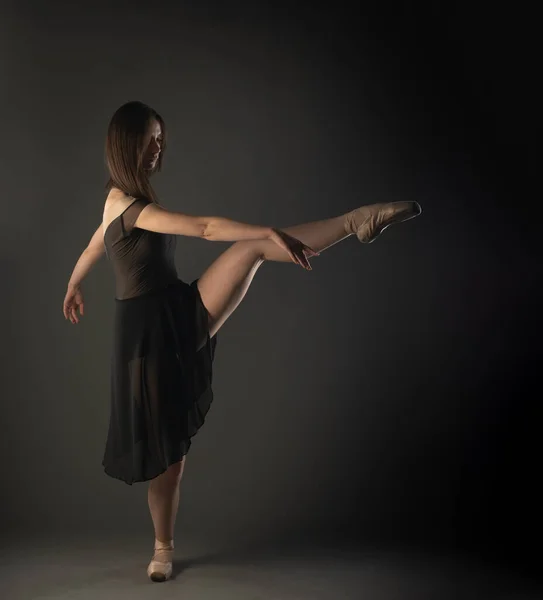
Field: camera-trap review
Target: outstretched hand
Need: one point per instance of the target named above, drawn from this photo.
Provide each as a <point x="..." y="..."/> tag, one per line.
<point x="72" y="301"/>
<point x="296" y="249"/>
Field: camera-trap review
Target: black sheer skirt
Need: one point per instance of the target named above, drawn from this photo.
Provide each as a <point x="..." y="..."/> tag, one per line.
<point x="161" y="375"/>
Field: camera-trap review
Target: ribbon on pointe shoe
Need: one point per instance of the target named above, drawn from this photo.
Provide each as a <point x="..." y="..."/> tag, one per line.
<point x="160" y="567"/>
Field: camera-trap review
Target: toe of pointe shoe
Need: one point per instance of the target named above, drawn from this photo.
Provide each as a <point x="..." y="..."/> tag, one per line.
<point x="402" y="211"/>
<point x="405" y="210"/>
<point x="158" y="571"/>
<point x="417" y="208"/>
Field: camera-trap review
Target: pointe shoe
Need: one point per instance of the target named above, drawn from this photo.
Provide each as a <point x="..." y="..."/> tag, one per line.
<point x="369" y="221"/>
<point x="160" y="567"/>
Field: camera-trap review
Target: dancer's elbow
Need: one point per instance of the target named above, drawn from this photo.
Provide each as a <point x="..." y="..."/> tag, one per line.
<point x="159" y="220"/>
<point x="211" y="229"/>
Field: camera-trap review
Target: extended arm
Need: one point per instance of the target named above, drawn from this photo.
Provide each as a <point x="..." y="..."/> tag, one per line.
<point x="216" y="229"/>
<point x="89" y="257"/>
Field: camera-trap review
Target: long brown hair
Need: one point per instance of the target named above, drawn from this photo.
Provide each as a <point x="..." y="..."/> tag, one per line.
<point x="124" y="150"/>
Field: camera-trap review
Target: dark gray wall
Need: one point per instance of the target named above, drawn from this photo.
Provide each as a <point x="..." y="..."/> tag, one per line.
<point x="377" y="393"/>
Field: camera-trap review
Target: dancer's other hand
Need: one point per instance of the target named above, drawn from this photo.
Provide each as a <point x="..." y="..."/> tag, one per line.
<point x="72" y="301"/>
<point x="296" y="249"/>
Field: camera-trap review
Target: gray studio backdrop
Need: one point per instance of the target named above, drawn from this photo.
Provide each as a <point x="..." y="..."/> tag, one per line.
<point x="337" y="394"/>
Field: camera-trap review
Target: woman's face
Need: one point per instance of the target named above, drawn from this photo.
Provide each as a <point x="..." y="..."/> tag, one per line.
<point x="152" y="144"/>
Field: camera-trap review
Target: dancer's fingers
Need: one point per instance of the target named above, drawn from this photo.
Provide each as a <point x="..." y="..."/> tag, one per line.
<point x="304" y="262"/>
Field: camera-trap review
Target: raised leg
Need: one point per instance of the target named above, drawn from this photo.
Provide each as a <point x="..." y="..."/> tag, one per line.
<point x="226" y="281"/>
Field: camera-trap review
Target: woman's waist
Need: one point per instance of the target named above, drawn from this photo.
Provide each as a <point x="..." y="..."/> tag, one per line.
<point x="147" y="287"/>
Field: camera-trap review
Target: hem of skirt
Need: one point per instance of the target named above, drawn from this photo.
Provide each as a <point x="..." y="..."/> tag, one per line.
<point x="186" y="441"/>
<point x="111" y="474"/>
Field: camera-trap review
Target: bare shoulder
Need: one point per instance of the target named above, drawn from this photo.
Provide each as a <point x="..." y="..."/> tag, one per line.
<point x="116" y="202"/>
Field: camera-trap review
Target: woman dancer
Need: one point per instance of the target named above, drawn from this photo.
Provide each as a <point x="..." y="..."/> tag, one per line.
<point x="165" y="330"/>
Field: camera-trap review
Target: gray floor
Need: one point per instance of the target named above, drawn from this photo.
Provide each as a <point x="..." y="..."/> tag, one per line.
<point x="55" y="569"/>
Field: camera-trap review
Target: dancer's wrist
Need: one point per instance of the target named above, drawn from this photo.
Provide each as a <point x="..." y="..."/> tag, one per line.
<point x="273" y="233"/>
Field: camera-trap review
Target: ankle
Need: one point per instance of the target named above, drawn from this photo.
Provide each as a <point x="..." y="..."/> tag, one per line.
<point x="349" y="224"/>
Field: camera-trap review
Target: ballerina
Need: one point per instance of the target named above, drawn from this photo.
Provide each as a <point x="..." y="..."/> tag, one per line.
<point x="165" y="330"/>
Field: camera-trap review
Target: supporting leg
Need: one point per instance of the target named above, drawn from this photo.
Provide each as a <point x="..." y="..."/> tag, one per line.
<point x="163" y="497"/>
<point x="163" y="500"/>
